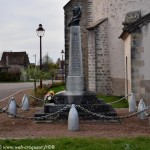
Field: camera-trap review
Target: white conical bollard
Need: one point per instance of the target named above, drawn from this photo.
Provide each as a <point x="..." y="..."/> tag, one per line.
<point x="25" y="103"/>
<point x="12" y="108"/>
<point x="141" y="107"/>
<point x="132" y="103"/>
<point x="73" y="119"/>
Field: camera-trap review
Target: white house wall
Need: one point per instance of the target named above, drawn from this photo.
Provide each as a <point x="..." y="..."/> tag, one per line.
<point x="127" y="44"/>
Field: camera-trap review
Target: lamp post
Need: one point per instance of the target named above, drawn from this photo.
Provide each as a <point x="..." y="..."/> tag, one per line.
<point x="62" y="65"/>
<point x="35" y="74"/>
<point x="40" y="32"/>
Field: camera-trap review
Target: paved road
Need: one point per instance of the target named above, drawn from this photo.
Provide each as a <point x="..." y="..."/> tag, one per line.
<point x="7" y="89"/>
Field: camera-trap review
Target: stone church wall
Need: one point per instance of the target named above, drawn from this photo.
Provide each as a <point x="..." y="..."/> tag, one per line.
<point x="115" y="11"/>
<point x="103" y="80"/>
<point x="91" y="61"/>
<point x="92" y="11"/>
<point x="144" y="72"/>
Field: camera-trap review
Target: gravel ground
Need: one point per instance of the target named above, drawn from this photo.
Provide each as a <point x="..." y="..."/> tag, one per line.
<point x="22" y="128"/>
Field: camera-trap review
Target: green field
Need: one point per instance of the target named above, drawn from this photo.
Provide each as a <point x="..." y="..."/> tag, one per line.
<point x="140" y="143"/>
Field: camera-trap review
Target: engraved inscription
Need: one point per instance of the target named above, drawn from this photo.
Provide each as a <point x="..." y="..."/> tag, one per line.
<point x="76" y="54"/>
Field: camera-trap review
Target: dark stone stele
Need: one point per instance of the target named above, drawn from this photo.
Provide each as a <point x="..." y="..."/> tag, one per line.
<point x="86" y="99"/>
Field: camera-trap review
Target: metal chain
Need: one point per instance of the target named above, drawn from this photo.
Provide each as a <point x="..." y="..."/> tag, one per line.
<point x="18" y="106"/>
<point x="119" y="100"/>
<point x="36" y="118"/>
<point x="77" y="106"/>
<point x="95" y="114"/>
<point x="36" y="98"/>
<point x="5" y="108"/>
<point x="134" y="114"/>
<point x="147" y="114"/>
<point x="110" y="117"/>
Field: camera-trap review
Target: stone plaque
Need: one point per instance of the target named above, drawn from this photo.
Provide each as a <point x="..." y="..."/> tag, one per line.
<point x="75" y="64"/>
<point x="75" y="79"/>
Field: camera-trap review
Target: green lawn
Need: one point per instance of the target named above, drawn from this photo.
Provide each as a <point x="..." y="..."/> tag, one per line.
<point x="58" y="88"/>
<point x="140" y="143"/>
<point x="108" y="99"/>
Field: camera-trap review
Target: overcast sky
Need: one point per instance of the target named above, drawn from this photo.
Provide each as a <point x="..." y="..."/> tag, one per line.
<point x="19" y="21"/>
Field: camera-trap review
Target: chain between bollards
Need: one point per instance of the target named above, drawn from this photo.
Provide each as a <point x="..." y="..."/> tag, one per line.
<point x="4" y="110"/>
<point x="42" y="100"/>
<point x="77" y="106"/>
<point x="36" y="118"/>
<point x="109" y="117"/>
<point x="119" y="100"/>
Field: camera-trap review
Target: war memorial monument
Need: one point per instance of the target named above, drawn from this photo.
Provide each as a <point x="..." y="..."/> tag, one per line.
<point x="75" y="91"/>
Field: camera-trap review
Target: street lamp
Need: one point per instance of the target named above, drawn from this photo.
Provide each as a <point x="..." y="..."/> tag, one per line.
<point x="62" y="65"/>
<point x="35" y="74"/>
<point x="40" y="32"/>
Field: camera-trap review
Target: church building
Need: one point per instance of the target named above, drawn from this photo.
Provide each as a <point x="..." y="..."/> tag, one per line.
<point x="115" y="37"/>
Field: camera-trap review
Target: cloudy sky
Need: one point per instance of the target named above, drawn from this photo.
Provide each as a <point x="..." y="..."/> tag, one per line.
<point x="19" y="21"/>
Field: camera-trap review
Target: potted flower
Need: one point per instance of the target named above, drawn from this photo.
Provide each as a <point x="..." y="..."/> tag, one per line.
<point x="48" y="98"/>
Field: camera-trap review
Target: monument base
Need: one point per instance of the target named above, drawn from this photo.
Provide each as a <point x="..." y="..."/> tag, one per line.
<point x="87" y="100"/>
<point x="75" y="83"/>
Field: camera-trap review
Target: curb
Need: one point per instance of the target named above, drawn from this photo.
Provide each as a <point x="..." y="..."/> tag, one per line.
<point x="12" y="95"/>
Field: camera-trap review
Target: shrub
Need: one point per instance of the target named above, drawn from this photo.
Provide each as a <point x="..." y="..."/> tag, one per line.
<point x="9" y="76"/>
<point x="40" y="93"/>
